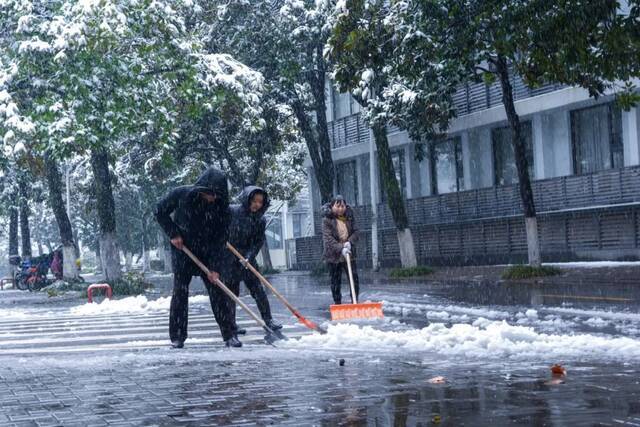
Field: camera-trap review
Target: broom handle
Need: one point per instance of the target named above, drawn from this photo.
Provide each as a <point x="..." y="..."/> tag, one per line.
<point x="261" y="278"/>
<point x="226" y="290"/>
<point x="353" y="287"/>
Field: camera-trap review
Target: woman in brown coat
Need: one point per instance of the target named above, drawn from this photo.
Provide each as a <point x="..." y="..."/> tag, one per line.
<point x="339" y="234"/>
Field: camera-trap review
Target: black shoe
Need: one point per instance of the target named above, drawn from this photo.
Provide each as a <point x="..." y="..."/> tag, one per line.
<point x="177" y="344"/>
<point x="241" y="331"/>
<point x="233" y="342"/>
<point x="273" y="325"/>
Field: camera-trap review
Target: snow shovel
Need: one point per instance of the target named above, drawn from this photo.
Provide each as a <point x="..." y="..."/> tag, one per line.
<point x="367" y="310"/>
<point x="271" y="335"/>
<point x="306" y="322"/>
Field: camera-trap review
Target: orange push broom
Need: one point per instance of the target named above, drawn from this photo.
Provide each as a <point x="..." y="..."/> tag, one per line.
<point x="367" y="310"/>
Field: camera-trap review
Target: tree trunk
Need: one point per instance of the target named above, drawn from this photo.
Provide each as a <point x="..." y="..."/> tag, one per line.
<point x="168" y="267"/>
<point x="520" y="154"/>
<point x="128" y="256"/>
<point x="106" y="215"/>
<point x="394" y="197"/>
<point x="25" y="232"/>
<point x="98" y="257"/>
<point x="146" y="261"/>
<point x="322" y="166"/>
<point x="54" y="183"/>
<point x="13" y="231"/>
<point x="266" y="256"/>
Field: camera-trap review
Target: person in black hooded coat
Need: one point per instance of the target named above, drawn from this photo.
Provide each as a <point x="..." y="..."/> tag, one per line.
<point x="200" y="222"/>
<point x="247" y="235"/>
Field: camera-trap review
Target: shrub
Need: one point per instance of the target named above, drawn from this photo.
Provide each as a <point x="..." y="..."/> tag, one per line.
<point x="419" y="270"/>
<point x="156" y="265"/>
<point x="528" y="271"/>
<point x="131" y="283"/>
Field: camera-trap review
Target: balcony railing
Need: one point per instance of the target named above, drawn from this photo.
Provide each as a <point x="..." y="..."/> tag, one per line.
<point x="468" y="99"/>
<point x="612" y="187"/>
<point x="348" y="131"/>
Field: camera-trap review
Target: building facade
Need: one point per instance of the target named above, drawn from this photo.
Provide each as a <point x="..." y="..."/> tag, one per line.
<point x="461" y="192"/>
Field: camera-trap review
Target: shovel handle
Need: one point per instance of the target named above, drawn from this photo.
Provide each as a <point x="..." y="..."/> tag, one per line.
<point x="260" y="277"/>
<point x="227" y="291"/>
<point x="268" y="284"/>
<point x="354" y="300"/>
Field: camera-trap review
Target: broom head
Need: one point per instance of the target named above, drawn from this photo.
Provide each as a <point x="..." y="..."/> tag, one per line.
<point x="367" y="310"/>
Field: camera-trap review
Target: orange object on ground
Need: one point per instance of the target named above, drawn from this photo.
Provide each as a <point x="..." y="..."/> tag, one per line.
<point x="367" y="310"/>
<point x="558" y="370"/>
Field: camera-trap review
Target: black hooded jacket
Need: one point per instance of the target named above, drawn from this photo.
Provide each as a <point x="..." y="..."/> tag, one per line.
<point x="203" y="226"/>
<point x="247" y="229"/>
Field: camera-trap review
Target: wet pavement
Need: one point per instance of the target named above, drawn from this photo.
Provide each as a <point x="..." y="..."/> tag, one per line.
<point x="493" y="342"/>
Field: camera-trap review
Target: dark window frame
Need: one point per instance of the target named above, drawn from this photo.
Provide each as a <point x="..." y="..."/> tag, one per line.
<point x="525" y="124"/>
<point x="615" y="137"/>
<point x="339" y="190"/>
<point x="458" y="160"/>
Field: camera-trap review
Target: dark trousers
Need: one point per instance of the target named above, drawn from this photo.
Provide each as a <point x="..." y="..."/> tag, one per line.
<point x="335" y="273"/>
<point x="257" y="292"/>
<point x="179" y="314"/>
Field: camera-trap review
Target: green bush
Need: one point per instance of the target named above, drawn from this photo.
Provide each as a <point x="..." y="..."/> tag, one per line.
<point x="420" y="270"/>
<point x="156" y="265"/>
<point x="528" y="271"/>
<point x="131" y="283"/>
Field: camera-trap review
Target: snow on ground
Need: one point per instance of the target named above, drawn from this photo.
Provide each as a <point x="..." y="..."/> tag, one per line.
<point x="131" y="305"/>
<point x="482" y="339"/>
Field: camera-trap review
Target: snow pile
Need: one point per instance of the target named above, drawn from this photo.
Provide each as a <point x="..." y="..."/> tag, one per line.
<point x="440" y="311"/>
<point x="483" y="339"/>
<point x="131" y="305"/>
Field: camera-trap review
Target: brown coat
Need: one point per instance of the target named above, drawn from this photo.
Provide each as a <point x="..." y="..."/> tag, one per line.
<point x="330" y="238"/>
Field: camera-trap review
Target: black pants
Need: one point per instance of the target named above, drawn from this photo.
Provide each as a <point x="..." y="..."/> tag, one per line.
<point x="179" y="314"/>
<point x="257" y="292"/>
<point x="335" y="273"/>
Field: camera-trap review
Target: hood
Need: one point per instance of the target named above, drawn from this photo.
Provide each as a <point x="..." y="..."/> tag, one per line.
<point x="213" y="181"/>
<point x="249" y="191"/>
<point x="326" y="212"/>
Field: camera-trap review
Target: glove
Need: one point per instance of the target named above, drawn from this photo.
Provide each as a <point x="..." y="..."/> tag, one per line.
<point x="346" y="251"/>
<point x="347" y="245"/>
<point x="244" y="262"/>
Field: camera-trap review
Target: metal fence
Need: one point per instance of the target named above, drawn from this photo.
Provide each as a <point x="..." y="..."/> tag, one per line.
<point x="586" y="216"/>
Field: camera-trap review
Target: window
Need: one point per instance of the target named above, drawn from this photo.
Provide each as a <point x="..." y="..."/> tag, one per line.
<point x="504" y="160"/>
<point x="347" y="181"/>
<point x="341" y="104"/>
<point x="596" y="135"/>
<point x="446" y="166"/>
<point x="274" y="231"/>
<point x="397" y="157"/>
<point x="298" y="221"/>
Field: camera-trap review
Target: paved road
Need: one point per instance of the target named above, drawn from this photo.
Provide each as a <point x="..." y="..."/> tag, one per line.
<point x="61" y="367"/>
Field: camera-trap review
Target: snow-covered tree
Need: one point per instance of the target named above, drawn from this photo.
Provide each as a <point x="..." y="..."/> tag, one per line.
<point x="438" y="44"/>
<point x="359" y="49"/>
<point x="90" y="76"/>
<point x="284" y="41"/>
